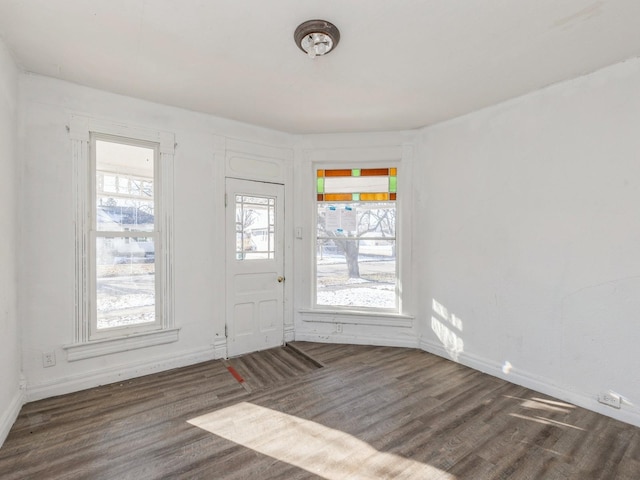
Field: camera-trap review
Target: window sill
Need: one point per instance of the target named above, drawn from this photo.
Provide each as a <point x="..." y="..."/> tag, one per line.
<point x="97" y="348"/>
<point x="357" y="318"/>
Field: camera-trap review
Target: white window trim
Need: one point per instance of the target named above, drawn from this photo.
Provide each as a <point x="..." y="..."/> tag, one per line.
<point x="357" y="313"/>
<point x="107" y="346"/>
<point x="82" y="347"/>
<point x="318" y="315"/>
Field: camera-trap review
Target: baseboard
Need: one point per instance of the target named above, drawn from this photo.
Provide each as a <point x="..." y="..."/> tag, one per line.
<point x="534" y="382"/>
<point x="95" y="378"/>
<point x="408" y="342"/>
<point x="289" y="333"/>
<point x="8" y="417"/>
<point x="220" y="347"/>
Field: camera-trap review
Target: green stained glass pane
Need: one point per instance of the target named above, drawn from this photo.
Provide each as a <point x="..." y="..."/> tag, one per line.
<point x="393" y="184"/>
<point x="355" y="197"/>
<point x="321" y="185"/>
<point x="355" y="172"/>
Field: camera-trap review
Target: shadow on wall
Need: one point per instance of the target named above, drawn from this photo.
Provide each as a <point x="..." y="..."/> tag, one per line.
<point x="448" y="328"/>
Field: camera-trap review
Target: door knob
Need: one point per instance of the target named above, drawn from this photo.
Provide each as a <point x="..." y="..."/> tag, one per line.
<point x="280" y="279"/>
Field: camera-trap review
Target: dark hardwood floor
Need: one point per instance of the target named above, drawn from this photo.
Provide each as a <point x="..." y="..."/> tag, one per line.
<point x="354" y="412"/>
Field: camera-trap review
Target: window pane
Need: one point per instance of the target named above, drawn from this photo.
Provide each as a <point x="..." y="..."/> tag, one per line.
<point x="125" y="281"/>
<point x="356" y="184"/>
<point x="255" y="227"/>
<point x="356" y="255"/>
<point x="124" y="187"/>
<point x="123" y="215"/>
<point x="357" y="219"/>
<point x="356" y="273"/>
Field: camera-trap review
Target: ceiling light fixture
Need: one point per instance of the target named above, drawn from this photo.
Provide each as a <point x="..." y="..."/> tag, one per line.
<point x="316" y="37"/>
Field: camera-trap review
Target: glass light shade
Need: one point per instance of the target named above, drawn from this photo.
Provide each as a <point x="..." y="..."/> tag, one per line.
<point x="316" y="37"/>
<point x="316" y="44"/>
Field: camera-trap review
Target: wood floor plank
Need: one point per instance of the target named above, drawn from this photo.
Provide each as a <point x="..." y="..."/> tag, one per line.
<point x="370" y="412"/>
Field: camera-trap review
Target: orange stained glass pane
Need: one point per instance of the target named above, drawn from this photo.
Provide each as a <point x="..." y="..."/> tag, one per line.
<point x="393" y="172"/>
<point x="320" y="173"/>
<point x="392" y="196"/>
<point x="374" y="172"/>
<point x="337" y="197"/>
<point x="374" y="197"/>
<point x="337" y="173"/>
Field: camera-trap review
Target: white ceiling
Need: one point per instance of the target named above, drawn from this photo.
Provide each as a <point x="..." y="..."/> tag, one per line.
<point x="400" y="64"/>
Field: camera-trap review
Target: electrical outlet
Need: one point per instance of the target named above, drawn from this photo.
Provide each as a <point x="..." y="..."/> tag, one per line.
<point x="339" y="327"/>
<point x="610" y="398"/>
<point x="48" y="359"/>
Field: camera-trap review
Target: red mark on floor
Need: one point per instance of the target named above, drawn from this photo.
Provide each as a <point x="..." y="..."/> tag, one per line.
<point x="235" y="374"/>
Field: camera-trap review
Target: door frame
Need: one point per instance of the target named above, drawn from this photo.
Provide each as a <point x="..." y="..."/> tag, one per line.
<point x="231" y="269"/>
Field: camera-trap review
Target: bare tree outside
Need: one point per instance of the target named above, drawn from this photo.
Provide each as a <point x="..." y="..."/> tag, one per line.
<point x="380" y="221"/>
<point x="255" y="227"/>
<point x="246" y="217"/>
<point x="366" y="275"/>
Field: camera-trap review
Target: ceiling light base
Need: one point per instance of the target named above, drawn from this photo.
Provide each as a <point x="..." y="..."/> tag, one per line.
<point x="316" y="37"/>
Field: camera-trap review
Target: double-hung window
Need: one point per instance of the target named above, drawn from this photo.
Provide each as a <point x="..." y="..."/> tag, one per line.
<point x="123" y="199"/>
<point x="125" y="237"/>
<point x="356" y="267"/>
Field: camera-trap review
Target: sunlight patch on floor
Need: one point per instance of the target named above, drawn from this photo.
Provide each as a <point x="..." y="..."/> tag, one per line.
<point x="323" y="451"/>
<point x="546" y="421"/>
<point x="543" y="404"/>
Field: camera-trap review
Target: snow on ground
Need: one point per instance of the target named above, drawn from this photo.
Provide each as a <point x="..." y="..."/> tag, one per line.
<point x="375" y="296"/>
<point x="130" y="299"/>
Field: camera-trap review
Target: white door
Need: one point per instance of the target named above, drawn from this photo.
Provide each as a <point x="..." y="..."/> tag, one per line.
<point x="255" y="266"/>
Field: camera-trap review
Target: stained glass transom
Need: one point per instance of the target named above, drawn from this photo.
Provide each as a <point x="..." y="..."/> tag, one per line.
<point x="357" y="185"/>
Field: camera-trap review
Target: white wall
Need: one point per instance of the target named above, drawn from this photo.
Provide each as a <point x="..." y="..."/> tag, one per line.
<point x="529" y="221"/>
<point x="524" y="229"/>
<point x="47" y="247"/>
<point x="10" y="394"/>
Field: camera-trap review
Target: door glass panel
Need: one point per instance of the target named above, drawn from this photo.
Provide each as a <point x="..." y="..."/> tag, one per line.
<point x="255" y="227"/>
